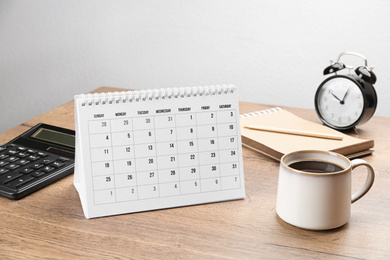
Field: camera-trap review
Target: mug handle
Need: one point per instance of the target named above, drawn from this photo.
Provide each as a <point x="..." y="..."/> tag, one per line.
<point x="369" y="181"/>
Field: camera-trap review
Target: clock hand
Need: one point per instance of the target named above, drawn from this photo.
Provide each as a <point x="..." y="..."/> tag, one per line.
<point x="346" y="94"/>
<point x="336" y="97"/>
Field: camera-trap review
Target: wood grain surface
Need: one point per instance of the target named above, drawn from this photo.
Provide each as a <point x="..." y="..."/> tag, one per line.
<point x="50" y="223"/>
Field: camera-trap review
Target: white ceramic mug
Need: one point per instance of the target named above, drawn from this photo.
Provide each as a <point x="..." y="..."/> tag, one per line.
<point x="318" y="200"/>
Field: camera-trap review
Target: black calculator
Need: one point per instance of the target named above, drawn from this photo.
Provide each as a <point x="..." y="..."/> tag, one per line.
<point x="35" y="159"/>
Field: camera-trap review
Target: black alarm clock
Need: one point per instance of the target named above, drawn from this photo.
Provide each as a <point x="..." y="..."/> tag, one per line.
<point x="344" y="101"/>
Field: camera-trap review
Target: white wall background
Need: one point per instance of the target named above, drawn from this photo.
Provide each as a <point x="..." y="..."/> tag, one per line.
<point x="274" y="51"/>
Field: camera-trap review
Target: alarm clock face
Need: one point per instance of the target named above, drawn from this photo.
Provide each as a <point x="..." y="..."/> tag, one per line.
<point x="339" y="102"/>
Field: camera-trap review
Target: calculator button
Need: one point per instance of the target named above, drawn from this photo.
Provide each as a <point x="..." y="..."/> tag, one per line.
<point x="47" y="161"/>
<point x="20" y="181"/>
<point x="3" y="163"/>
<point x="37" y="173"/>
<point x="12" y="159"/>
<point x="12" y="152"/>
<point x="37" y="165"/>
<point x="22" y="155"/>
<point x="3" y="156"/>
<point x="9" y="177"/>
<point x="26" y="170"/>
<point x="2" y="171"/>
<point x="47" y="169"/>
<point x="58" y="164"/>
<point x="33" y="158"/>
<point x="31" y="151"/>
<point x="42" y="154"/>
<point x="23" y="162"/>
<point x="12" y="166"/>
<point x="2" y="148"/>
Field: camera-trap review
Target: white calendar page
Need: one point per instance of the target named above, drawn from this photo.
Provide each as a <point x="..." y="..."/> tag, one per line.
<point x="147" y="150"/>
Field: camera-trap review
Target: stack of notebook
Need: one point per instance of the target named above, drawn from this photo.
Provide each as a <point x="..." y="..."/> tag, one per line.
<point x="276" y="144"/>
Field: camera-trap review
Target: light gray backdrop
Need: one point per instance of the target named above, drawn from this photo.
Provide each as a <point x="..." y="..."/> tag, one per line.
<point x="274" y="51"/>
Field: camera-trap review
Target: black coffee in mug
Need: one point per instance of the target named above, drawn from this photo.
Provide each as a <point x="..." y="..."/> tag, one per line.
<point x="315" y="166"/>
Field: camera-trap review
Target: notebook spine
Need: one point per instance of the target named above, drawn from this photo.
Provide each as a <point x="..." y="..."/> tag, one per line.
<point x="151" y="94"/>
<point x="262" y="112"/>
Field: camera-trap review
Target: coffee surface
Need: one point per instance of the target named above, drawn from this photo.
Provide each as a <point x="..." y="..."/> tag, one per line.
<point x="316" y="166"/>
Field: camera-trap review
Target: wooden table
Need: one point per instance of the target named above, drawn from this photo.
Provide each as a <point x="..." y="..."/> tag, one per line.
<point x="50" y="223"/>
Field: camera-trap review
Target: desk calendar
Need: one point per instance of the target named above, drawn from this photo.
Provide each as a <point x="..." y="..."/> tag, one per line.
<point x="154" y="149"/>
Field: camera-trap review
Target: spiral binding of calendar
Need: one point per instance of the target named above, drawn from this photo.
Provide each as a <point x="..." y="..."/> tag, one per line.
<point x="152" y="94"/>
<point x="262" y="112"/>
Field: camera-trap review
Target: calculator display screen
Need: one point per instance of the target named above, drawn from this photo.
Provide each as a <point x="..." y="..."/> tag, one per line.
<point x="55" y="137"/>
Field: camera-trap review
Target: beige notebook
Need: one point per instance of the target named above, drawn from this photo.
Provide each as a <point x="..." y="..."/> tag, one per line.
<point x="275" y="145"/>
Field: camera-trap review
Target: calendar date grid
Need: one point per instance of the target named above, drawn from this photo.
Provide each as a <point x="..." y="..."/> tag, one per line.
<point x="144" y="157"/>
